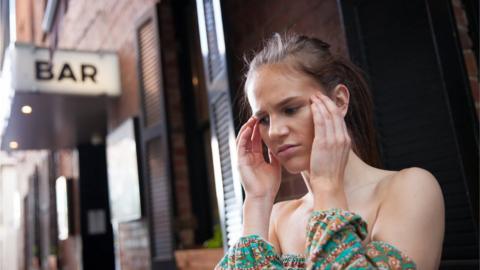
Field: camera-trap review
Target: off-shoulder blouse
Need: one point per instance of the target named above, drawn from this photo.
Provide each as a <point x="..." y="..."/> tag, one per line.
<point x="334" y="241"/>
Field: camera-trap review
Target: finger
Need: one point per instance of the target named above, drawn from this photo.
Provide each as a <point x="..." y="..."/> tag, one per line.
<point x="244" y="142"/>
<point x="328" y="120"/>
<point x="256" y="139"/>
<point x="242" y="129"/>
<point x="318" y="121"/>
<point x="331" y="106"/>
<point x="337" y="119"/>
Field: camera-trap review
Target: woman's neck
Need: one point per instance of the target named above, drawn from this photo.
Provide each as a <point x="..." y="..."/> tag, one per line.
<point x="357" y="173"/>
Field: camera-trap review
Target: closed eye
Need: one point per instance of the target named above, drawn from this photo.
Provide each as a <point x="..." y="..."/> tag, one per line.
<point x="264" y="120"/>
<point x="291" y="110"/>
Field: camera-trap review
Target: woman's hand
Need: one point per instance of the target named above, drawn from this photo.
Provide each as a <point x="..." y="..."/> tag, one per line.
<point x="260" y="179"/>
<point x="330" y="149"/>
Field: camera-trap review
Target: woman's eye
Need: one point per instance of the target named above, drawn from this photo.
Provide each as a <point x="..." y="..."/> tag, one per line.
<point x="290" y="111"/>
<point x="264" y="120"/>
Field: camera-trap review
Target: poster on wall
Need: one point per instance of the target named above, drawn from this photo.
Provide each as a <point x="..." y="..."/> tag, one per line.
<point x="123" y="174"/>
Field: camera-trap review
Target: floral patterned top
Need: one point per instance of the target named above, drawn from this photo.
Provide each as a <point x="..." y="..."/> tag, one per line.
<point x="334" y="241"/>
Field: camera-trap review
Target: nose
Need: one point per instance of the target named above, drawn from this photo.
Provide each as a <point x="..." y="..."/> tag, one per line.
<point x="277" y="128"/>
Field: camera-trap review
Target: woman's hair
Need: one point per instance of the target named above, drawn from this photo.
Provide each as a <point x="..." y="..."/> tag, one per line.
<point x="312" y="57"/>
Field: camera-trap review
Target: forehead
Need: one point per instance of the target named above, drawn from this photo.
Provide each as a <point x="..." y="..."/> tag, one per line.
<point x="270" y="84"/>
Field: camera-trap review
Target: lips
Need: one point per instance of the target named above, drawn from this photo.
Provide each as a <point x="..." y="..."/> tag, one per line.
<point x="286" y="149"/>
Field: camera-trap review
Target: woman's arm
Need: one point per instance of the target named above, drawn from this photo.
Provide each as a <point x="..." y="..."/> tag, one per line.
<point x="261" y="181"/>
<point x="412" y="217"/>
<point x="256" y="216"/>
<point x="330" y="149"/>
<point x="334" y="235"/>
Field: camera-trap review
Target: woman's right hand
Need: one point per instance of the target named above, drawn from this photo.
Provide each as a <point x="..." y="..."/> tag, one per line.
<point x="260" y="179"/>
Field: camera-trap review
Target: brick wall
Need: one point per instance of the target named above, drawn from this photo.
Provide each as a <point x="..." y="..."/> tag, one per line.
<point x="248" y="22"/>
<point x="468" y="54"/>
<point x="110" y="26"/>
<point x="29" y="15"/>
<point x="185" y="221"/>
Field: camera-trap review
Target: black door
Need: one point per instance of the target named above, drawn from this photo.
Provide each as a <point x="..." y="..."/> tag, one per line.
<point x="424" y="110"/>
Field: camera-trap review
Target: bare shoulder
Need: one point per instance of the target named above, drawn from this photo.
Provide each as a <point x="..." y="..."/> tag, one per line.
<point x="413" y="181"/>
<point x="411" y="216"/>
<point x="416" y="191"/>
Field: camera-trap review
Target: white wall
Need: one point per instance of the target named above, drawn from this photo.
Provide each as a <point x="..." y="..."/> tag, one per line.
<point x="15" y="170"/>
<point x="10" y="218"/>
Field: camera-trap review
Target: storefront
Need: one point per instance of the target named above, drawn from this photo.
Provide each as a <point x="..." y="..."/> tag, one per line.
<point x="59" y="105"/>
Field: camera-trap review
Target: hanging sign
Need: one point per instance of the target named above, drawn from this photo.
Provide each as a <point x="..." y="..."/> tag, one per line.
<point x="65" y="72"/>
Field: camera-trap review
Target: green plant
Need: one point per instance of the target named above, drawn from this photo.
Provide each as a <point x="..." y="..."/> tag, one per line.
<point x="216" y="240"/>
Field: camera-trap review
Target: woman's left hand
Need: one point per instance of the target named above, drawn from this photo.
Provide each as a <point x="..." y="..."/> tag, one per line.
<point x="330" y="147"/>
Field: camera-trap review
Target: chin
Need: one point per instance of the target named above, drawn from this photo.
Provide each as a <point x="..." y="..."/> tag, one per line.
<point x="296" y="165"/>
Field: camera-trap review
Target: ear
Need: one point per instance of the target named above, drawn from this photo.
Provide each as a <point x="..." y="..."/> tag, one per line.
<point x="341" y="97"/>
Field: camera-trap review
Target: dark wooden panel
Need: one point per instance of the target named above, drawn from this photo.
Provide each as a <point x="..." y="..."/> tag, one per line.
<point x="399" y="46"/>
<point x="156" y="165"/>
<point x="160" y="201"/>
<point x="149" y="61"/>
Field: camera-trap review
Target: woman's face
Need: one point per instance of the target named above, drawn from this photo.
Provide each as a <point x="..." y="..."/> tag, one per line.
<point x="280" y="99"/>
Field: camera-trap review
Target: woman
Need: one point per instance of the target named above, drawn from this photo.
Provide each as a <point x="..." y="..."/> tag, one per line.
<point x="313" y="112"/>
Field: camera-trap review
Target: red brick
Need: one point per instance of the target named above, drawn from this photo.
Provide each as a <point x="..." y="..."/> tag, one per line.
<point x="460" y="16"/>
<point x="182" y="183"/>
<point x="475" y="90"/>
<point x="471" y="63"/>
<point x="180" y="151"/>
<point x="457" y="3"/>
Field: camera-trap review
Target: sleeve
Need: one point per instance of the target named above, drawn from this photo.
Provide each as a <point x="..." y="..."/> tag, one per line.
<point x="251" y="252"/>
<point x="334" y="241"/>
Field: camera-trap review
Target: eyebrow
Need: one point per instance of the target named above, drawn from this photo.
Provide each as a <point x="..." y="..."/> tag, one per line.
<point x="279" y="104"/>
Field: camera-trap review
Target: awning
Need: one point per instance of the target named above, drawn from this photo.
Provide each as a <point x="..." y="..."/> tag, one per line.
<point x="66" y="93"/>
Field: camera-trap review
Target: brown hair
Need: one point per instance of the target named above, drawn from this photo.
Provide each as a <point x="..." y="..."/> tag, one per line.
<point x="312" y="57"/>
